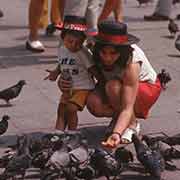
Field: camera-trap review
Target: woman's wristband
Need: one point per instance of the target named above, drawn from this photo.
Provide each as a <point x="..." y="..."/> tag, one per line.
<point x="119" y="134"/>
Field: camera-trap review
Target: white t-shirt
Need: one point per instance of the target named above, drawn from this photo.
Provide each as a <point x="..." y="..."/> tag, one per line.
<point x="147" y="72"/>
<point x="77" y="65"/>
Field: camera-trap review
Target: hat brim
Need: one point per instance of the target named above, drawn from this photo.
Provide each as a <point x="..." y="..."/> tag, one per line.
<point x="131" y="39"/>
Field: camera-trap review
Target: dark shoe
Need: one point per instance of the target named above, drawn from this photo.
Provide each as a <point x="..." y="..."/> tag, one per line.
<point x="156" y="17"/>
<point x="34" y="46"/>
<point x="1" y="14"/>
<point x="50" y="29"/>
<point x="178" y="17"/>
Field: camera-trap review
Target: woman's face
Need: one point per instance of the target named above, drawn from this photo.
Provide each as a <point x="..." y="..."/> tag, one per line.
<point x="109" y="55"/>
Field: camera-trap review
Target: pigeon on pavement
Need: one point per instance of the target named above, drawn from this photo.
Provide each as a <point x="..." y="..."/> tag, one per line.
<point x="152" y="160"/>
<point x="4" y="124"/>
<point x="177" y="43"/>
<point x="173" y="27"/>
<point x="12" y="92"/>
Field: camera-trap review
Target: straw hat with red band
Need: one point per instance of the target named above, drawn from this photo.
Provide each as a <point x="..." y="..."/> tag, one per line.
<point x="75" y="23"/>
<point x="115" y="33"/>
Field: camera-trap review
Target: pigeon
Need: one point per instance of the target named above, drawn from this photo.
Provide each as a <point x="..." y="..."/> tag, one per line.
<point x="164" y="78"/>
<point x="170" y="140"/>
<point x="20" y="160"/>
<point x="123" y="155"/>
<point x="4" y="124"/>
<point x="177" y="43"/>
<point x="143" y="2"/>
<point x="104" y="163"/>
<point x="12" y="92"/>
<point x="151" y="159"/>
<point x="173" y="27"/>
<point x="87" y="173"/>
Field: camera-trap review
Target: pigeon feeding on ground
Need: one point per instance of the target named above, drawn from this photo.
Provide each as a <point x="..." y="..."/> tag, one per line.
<point x="143" y="2"/>
<point x="152" y="160"/>
<point x="105" y="163"/>
<point x="20" y="160"/>
<point x="177" y="43"/>
<point x="4" y="124"/>
<point x="164" y="78"/>
<point x="12" y="92"/>
<point x="173" y="27"/>
<point x="123" y="155"/>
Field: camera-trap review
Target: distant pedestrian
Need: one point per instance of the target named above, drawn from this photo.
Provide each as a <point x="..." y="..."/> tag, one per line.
<point x="91" y="10"/>
<point x="35" y="13"/>
<point x="162" y="11"/>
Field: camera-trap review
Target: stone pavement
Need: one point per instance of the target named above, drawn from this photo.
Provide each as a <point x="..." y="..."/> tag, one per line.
<point x="34" y="111"/>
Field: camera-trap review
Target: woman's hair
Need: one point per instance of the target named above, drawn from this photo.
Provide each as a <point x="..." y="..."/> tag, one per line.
<point x="125" y="54"/>
<point x="79" y="34"/>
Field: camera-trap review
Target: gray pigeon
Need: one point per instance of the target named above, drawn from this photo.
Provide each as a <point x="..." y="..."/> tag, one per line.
<point x="12" y="92"/>
<point x="177" y="43"/>
<point x="151" y="159"/>
<point x="173" y="27"/>
<point x="4" y="124"/>
<point x="20" y="160"/>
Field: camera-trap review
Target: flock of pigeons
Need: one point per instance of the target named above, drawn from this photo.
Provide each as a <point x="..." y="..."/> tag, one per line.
<point x="68" y="155"/>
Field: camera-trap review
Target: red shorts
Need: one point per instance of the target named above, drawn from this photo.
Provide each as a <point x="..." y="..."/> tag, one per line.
<point x="147" y="95"/>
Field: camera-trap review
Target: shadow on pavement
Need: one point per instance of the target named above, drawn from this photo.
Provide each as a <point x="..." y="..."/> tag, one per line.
<point x="19" y="56"/>
<point x="93" y="134"/>
<point x="9" y="27"/>
<point x="10" y="140"/>
<point x="174" y="55"/>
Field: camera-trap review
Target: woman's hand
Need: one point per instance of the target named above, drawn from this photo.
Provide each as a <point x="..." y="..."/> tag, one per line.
<point x="64" y="85"/>
<point x="113" y="140"/>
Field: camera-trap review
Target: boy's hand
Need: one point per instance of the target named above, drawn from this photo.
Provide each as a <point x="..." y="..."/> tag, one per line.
<point x="52" y="76"/>
<point x="64" y="85"/>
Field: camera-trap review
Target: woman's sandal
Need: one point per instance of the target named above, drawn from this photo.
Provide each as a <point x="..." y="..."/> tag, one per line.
<point x="126" y="137"/>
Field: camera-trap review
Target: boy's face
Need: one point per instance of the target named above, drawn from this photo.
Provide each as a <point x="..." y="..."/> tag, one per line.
<point x="73" y="43"/>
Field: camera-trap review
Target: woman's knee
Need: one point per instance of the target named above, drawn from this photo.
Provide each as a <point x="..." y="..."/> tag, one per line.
<point x="94" y="105"/>
<point x="113" y="87"/>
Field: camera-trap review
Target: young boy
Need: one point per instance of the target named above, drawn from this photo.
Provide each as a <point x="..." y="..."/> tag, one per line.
<point x="76" y="63"/>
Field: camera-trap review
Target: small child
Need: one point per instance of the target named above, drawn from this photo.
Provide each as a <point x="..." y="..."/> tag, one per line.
<point x="75" y="65"/>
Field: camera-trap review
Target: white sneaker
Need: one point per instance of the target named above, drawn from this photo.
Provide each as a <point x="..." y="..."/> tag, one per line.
<point x="35" y="46"/>
<point x="127" y="135"/>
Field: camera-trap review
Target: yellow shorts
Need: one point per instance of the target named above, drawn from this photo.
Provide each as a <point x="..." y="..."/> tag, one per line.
<point x="77" y="97"/>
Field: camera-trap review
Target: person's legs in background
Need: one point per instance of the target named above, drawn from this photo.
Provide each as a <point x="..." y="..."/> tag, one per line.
<point x="54" y="17"/>
<point x="162" y="11"/>
<point x="43" y="22"/>
<point x="110" y="6"/>
<point x="35" y="12"/>
<point x="92" y="16"/>
<point x="1" y="13"/>
<point x="55" y="13"/>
